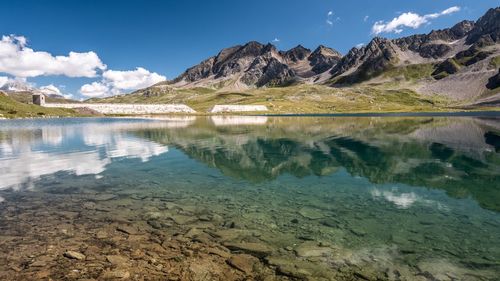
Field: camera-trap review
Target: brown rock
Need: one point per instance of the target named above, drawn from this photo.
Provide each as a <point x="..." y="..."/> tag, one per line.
<point x="115" y="274"/>
<point x="127" y="229"/>
<point x="74" y="255"/>
<point x="311" y="249"/>
<point x="117" y="260"/>
<point x="243" y="262"/>
<point x="219" y="252"/>
<point x="256" y="249"/>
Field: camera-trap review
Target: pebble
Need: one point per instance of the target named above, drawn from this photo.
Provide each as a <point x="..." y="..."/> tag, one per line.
<point x="74" y="255"/>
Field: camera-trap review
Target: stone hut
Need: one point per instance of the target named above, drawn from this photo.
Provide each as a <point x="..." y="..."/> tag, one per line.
<point x="39" y="99"/>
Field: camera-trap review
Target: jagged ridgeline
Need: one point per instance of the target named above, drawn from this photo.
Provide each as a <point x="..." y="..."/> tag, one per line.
<point x="460" y="64"/>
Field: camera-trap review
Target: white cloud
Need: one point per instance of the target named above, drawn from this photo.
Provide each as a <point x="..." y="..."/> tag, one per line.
<point x="276" y="40"/>
<point x="366" y="18"/>
<point x="409" y="19"/>
<point x="360" y="45"/>
<point x="115" y="81"/>
<point x="132" y="79"/>
<point x="95" y="89"/>
<point x="329" y="20"/>
<point x="18" y="60"/>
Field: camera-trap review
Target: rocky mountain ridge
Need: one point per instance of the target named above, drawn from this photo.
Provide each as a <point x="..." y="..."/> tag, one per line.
<point x="255" y="65"/>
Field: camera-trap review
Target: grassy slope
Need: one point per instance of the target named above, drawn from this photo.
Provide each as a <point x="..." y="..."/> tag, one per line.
<point x="10" y="108"/>
<point x="296" y="99"/>
<point x="26" y="97"/>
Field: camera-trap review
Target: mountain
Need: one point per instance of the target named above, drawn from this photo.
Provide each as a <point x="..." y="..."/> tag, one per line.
<point x="258" y="65"/>
<point x="458" y="64"/>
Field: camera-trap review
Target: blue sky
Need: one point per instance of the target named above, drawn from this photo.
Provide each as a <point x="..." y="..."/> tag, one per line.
<point x="166" y="37"/>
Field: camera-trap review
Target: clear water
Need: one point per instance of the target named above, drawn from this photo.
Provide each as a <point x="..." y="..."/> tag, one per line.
<point x="411" y="198"/>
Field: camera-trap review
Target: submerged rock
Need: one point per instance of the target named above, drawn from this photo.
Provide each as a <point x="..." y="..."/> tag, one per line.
<point x="256" y="249"/>
<point x="74" y="255"/>
<point x="127" y="229"/>
<point x="312" y="249"/>
<point x="115" y="274"/>
<point x="117" y="260"/>
<point x="311" y="213"/>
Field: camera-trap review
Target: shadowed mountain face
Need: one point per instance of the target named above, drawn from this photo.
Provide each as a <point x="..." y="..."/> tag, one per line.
<point x="260" y="65"/>
<point x="458" y="155"/>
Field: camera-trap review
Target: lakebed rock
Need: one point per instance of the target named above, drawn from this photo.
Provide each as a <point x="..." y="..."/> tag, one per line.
<point x="312" y="249"/>
<point x="243" y="262"/>
<point x="256" y="249"/>
<point x="74" y="255"/>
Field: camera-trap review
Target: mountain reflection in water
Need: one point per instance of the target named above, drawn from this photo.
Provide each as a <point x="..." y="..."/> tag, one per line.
<point x="459" y="155"/>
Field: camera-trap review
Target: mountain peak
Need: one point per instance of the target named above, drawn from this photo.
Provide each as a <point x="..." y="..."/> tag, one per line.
<point x="297" y="53"/>
<point x="326" y="51"/>
<point x="486" y="29"/>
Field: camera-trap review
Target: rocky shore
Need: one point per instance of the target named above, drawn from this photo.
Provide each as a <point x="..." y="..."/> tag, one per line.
<point x="94" y="237"/>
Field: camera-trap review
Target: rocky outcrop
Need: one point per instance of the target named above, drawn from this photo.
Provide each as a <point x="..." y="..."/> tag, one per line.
<point x="323" y="58"/>
<point x="368" y="61"/>
<point x="296" y="54"/>
<point x="449" y="66"/>
<point x="431" y="45"/>
<point x="259" y="65"/>
<point x="494" y="81"/>
<point x="486" y="31"/>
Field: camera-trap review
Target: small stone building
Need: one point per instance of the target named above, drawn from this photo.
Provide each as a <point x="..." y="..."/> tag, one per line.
<point x="39" y="99"/>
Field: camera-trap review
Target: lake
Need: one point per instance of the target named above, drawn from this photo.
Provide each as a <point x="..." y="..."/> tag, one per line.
<point x="255" y="197"/>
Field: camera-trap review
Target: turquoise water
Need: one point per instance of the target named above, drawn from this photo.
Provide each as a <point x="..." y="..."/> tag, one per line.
<point x="388" y="198"/>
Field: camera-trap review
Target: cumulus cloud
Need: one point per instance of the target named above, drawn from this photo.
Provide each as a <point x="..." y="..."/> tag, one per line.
<point x="132" y="79"/>
<point x="276" y="40"/>
<point x="18" y="60"/>
<point x="360" y="45"/>
<point x="95" y="89"/>
<point x="116" y="81"/>
<point x="410" y="20"/>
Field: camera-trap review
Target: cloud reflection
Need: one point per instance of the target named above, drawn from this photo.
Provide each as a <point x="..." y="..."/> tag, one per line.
<point x="402" y="200"/>
<point x="27" y="155"/>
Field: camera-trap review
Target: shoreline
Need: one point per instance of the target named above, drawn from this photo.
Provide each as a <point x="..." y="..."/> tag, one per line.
<point x="464" y="113"/>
